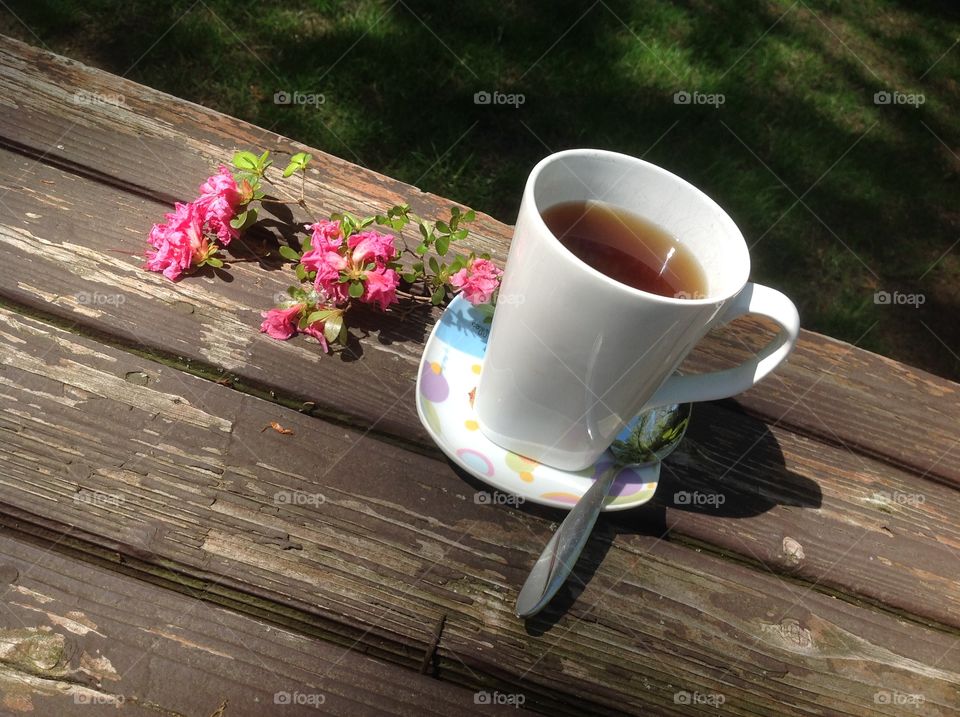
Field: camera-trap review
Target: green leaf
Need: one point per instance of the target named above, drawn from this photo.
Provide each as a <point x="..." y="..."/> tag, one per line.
<point x="214" y="262"/>
<point x="307" y="244"/>
<point x="384" y="220"/>
<point x="342" y="338"/>
<point x="409" y="277"/>
<point x="443" y="226"/>
<point x="333" y="328"/>
<point x="290" y="169"/>
<point x="434" y="266"/>
<point x="292" y="290"/>
<point x="417" y="266"/>
<point x="460" y="234"/>
<point x="421" y="248"/>
<point x="455" y="211"/>
<point x="356" y="289"/>
<point x="469" y="215"/>
<point x="244" y="219"/>
<point x="424" y="232"/>
<point x="438" y="296"/>
<point x="301" y="272"/>
<point x="487" y="311"/>
<point x="245" y="160"/>
<point x="365" y="223"/>
<point x="321" y="315"/>
<point x="443" y="244"/>
<point x="289" y="253"/>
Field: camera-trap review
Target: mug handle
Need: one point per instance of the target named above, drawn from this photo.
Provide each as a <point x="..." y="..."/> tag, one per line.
<point x="753" y="299"/>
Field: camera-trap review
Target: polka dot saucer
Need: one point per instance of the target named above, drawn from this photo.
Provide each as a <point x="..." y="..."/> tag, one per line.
<point x="449" y="372"/>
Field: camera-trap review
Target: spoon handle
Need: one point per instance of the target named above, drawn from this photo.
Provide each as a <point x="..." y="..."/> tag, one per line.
<point x="561" y="553"/>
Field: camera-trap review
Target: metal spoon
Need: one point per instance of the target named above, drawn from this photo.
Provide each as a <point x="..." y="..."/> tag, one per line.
<point x="652" y="439"/>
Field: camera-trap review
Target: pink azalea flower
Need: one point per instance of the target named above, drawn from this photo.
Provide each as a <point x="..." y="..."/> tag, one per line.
<point x="380" y="287"/>
<point x="326" y="233"/>
<point x="281" y="323"/>
<point x="179" y="243"/>
<point x="316" y="331"/>
<point x="218" y="201"/>
<point x="372" y="245"/>
<point x="328" y="263"/>
<point x="478" y="281"/>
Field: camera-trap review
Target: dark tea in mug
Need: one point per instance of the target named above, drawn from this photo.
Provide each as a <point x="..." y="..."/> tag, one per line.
<point x="627" y="248"/>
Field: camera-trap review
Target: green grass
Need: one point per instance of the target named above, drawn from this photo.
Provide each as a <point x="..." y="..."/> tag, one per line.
<point x="840" y="197"/>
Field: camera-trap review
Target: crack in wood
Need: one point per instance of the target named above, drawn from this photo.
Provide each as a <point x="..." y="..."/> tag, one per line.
<point x="427" y="665"/>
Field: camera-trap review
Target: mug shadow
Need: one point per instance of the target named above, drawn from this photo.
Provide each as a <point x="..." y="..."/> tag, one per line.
<point x="728" y="466"/>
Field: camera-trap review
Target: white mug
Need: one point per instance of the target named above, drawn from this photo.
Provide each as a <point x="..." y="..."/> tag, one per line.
<point x="574" y="355"/>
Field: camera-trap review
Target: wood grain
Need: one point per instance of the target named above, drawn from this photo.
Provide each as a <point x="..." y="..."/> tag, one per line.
<point x="76" y="639"/>
<point x="157" y="146"/>
<point x="370" y="554"/>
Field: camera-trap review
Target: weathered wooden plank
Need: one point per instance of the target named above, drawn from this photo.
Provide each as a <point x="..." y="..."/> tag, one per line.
<point x="74" y="636"/>
<point x="372" y="553"/>
<point x="799" y="507"/>
<point x="160" y="146"/>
